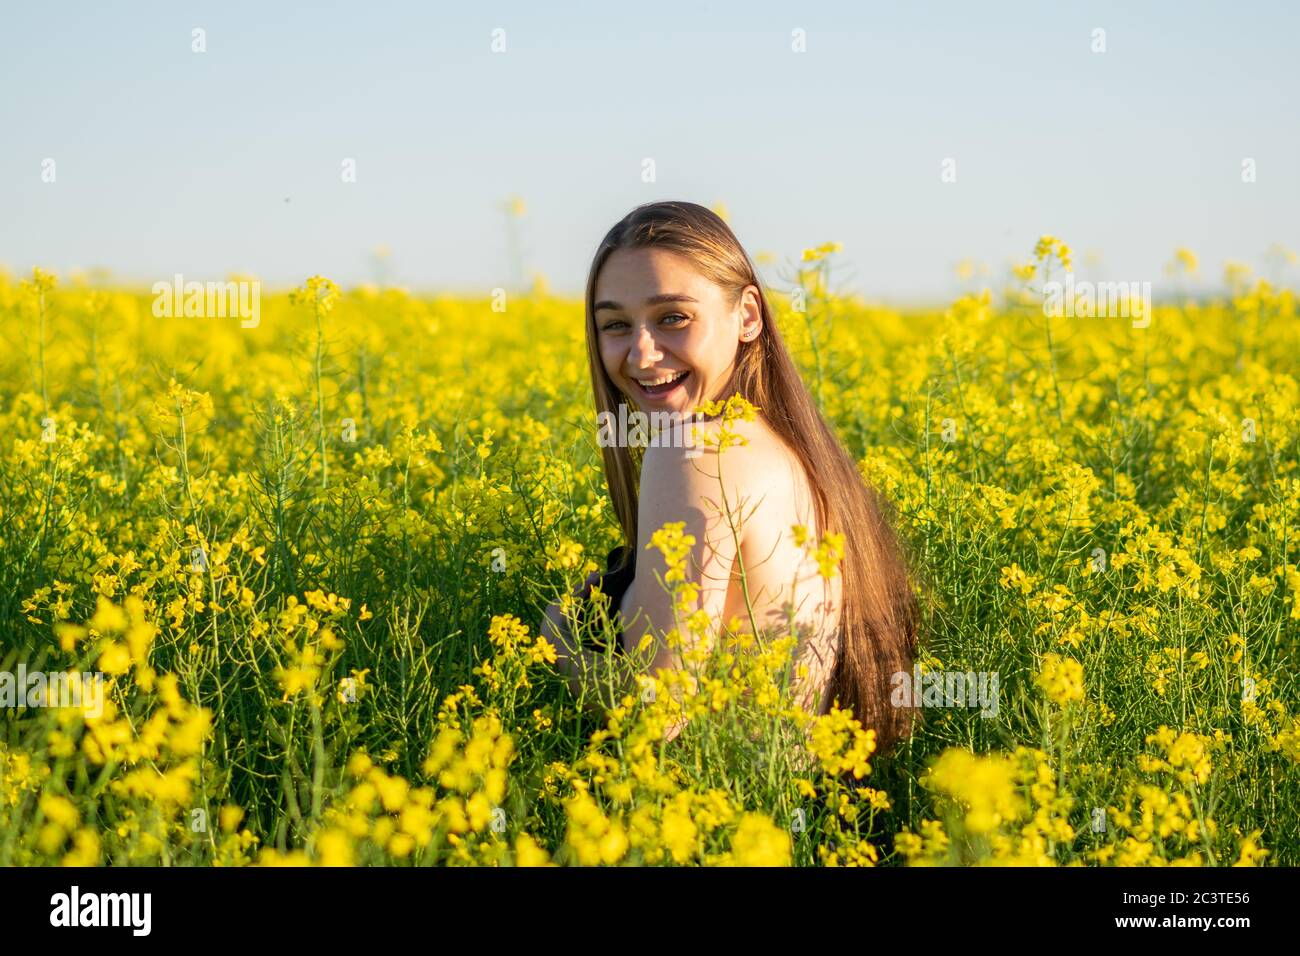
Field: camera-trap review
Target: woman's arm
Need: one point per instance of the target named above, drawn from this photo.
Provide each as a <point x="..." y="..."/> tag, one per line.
<point x="591" y="681"/>
<point x="675" y="487"/>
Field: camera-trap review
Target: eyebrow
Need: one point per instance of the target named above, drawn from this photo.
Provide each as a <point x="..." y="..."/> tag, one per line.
<point x="653" y="300"/>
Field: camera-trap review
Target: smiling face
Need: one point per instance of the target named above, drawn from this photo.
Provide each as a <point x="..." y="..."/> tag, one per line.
<point x="667" y="335"/>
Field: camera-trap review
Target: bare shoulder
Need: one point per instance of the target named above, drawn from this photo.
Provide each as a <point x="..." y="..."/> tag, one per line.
<point x="758" y="487"/>
<point x="759" y="464"/>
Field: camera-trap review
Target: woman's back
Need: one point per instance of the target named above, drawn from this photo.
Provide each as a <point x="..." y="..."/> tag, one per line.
<point x="764" y="488"/>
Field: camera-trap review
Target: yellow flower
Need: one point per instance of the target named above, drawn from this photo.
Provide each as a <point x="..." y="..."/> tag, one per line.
<point x="1184" y="262"/>
<point x="679" y="831"/>
<point x="528" y="853"/>
<point x="675" y="546"/>
<point x="300" y="677"/>
<point x="830" y="551"/>
<point x="1014" y="577"/>
<point x="1060" y="678"/>
<point x="821" y="252"/>
<point x="736" y="408"/>
<point x="69" y="635"/>
<point x="760" y="842"/>
<point x="840" y="743"/>
<point x="114" y="658"/>
<point x="359" y="764"/>
<point x="42" y="281"/>
<point x="1049" y="246"/>
<point x="1251" y="854"/>
<point x="189" y="736"/>
<point x="318" y="292"/>
<point x="85" y="849"/>
<point x="566" y="555"/>
<point x="334" y="848"/>
<point x="109" y="618"/>
<point x="985" y="785"/>
<point x="60" y="810"/>
<point x="230" y="817"/>
<point x="1187" y="753"/>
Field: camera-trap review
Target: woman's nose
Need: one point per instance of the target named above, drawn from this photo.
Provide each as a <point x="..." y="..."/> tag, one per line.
<point x="644" y="351"/>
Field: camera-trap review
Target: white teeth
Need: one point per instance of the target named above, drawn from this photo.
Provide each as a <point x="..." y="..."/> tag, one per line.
<point x="661" y="381"/>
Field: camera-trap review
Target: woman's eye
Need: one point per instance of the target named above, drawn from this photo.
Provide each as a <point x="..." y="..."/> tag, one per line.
<point x="616" y="325"/>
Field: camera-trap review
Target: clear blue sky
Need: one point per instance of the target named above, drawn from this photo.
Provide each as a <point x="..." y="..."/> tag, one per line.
<point x="171" y="161"/>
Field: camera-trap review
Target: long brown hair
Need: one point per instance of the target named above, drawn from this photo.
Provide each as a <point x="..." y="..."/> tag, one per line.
<point x="878" y="622"/>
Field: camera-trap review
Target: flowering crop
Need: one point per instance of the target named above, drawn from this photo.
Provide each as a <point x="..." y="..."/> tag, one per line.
<point x="309" y="559"/>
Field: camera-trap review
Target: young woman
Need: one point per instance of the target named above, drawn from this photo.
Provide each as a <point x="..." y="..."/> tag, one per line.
<point x="676" y="317"/>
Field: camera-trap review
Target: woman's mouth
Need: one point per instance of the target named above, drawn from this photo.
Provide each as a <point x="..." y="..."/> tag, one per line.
<point x="664" y="385"/>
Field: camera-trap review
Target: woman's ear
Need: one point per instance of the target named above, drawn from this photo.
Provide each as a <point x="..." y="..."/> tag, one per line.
<point x="751" y="314"/>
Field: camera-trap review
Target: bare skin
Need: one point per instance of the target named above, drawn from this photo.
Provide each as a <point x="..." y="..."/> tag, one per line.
<point x="658" y="317"/>
<point x="744" y="518"/>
